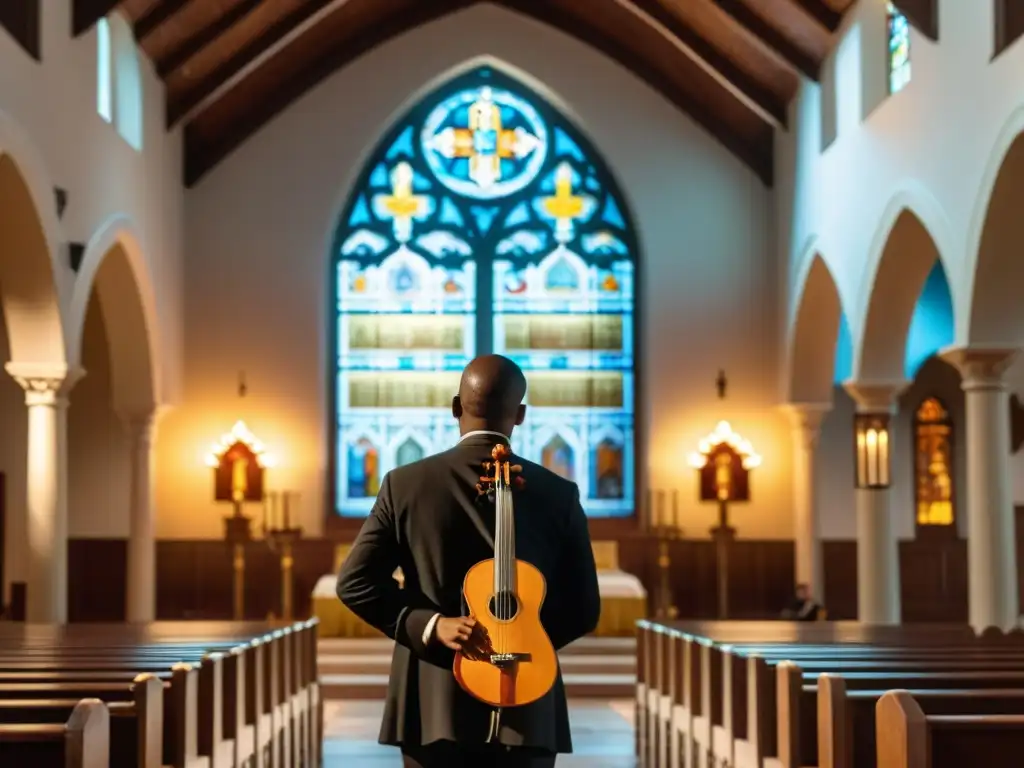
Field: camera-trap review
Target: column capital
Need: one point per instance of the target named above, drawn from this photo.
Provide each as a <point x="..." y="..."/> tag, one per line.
<point x="806" y="418"/>
<point x="875" y="396"/>
<point x="141" y="423"/>
<point x="45" y="383"/>
<point x="981" y="367"/>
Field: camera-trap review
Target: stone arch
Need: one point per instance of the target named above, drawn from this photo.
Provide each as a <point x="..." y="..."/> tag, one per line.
<point x="995" y="270"/>
<point x="29" y="274"/>
<point x="903" y="252"/>
<point x="813" y="335"/>
<point x="114" y="265"/>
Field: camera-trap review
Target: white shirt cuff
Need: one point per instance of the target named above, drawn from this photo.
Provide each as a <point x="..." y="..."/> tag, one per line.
<point x="428" y="631"/>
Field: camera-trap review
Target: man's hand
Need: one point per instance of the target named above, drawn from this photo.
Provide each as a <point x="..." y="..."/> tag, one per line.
<point x="464" y="635"/>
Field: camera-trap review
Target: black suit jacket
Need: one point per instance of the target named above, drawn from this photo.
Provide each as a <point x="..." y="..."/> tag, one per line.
<point x="428" y="520"/>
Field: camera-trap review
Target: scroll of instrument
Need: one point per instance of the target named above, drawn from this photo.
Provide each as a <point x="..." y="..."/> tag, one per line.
<point x="505" y="595"/>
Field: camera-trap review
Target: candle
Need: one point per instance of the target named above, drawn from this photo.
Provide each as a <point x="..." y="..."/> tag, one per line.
<point x="661" y="513"/>
<point x="287" y="517"/>
<point x="239" y="479"/>
<point x="675" y="508"/>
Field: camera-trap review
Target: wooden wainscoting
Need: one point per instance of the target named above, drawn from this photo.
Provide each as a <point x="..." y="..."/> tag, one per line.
<point x="194" y="577"/>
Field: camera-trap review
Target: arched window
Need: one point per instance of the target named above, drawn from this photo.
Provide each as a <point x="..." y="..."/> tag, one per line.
<point x="933" y="465"/>
<point x="119" y="78"/>
<point x="485" y="222"/>
<point x="104" y="72"/>
<point x="898" y="50"/>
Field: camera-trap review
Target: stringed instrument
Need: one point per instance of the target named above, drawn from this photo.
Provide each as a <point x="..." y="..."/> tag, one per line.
<point x="505" y="595"/>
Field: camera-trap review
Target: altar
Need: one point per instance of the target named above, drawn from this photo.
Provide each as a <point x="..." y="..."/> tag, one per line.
<point x="623" y="598"/>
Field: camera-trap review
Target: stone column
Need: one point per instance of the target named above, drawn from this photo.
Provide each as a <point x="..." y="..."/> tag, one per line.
<point x="46" y="387"/>
<point x="878" y="563"/>
<point x="991" y="543"/>
<point x="806" y="420"/>
<point x="141" y="572"/>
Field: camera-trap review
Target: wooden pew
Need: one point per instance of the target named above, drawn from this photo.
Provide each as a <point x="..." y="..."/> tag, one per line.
<point x="907" y="738"/>
<point x="262" y="692"/>
<point x="136" y="727"/>
<point x="82" y="742"/>
<point x="721" y="702"/>
<point x="847" y="738"/>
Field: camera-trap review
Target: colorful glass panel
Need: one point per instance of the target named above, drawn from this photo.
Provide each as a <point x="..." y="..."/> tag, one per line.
<point x="899" y="50"/>
<point x="933" y="464"/>
<point x="486" y="223"/>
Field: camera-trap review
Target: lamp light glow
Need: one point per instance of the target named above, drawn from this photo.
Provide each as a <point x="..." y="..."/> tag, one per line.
<point x="724" y="433"/>
<point x="871" y="451"/>
<point x="239" y="433"/>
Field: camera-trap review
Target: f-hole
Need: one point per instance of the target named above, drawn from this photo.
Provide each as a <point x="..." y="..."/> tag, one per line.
<point x="504" y="605"/>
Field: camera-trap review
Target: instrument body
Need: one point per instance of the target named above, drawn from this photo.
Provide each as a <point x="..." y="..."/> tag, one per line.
<point x="505" y="596"/>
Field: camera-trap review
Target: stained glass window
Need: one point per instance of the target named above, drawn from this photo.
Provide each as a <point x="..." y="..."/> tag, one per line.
<point x="933" y="464"/>
<point x="485" y="222"/>
<point x="104" y="71"/>
<point x="899" y="50"/>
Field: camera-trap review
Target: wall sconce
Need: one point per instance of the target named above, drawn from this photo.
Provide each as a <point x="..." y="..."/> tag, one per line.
<point x="871" y="450"/>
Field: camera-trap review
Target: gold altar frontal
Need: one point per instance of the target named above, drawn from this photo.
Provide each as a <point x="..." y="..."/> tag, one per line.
<point x="623" y="599"/>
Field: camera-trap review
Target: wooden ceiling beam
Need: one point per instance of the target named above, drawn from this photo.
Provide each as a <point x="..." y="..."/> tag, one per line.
<point x="182" y="105"/>
<point x="923" y="16"/>
<point x="195" y="43"/>
<point x="85" y="13"/>
<point x="771" y="102"/>
<point x="335" y="41"/>
<point x="22" y="22"/>
<point x="771" y="37"/>
<point x="155" y="17"/>
<point x="821" y="13"/>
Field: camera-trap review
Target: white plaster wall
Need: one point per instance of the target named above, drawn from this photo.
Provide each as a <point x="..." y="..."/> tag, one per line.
<point x="259" y="229"/>
<point x="933" y="147"/>
<point x="49" y="124"/>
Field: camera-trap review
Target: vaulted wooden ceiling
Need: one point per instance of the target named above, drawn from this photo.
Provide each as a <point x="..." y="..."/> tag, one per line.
<point x="231" y="65"/>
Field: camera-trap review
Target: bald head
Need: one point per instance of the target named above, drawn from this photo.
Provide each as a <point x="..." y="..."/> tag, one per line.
<point x="490" y="395"/>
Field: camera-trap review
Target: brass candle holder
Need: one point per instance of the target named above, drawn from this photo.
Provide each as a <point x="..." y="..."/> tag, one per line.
<point x="664" y="603"/>
<point x="281" y="536"/>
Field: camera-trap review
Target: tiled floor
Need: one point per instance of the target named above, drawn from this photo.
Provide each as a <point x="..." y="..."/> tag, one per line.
<point x="602" y="734"/>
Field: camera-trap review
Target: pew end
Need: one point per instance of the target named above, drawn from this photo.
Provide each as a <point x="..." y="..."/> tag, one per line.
<point x="82" y="742"/>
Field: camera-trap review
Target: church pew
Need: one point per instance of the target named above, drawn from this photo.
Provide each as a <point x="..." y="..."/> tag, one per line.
<point x="82" y="742"/>
<point x="672" y="679"/>
<point x="846" y="735"/>
<point x="764" y="729"/>
<point x="296" y="680"/>
<point x="136" y="726"/>
<point x="907" y="738"/>
<point x="178" y="706"/>
<point x="294" y="686"/>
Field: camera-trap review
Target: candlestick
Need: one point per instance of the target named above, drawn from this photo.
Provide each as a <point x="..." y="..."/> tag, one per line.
<point x="662" y="517"/>
<point x="675" y="509"/>
<point x="285" y="500"/>
<point x="648" y="518"/>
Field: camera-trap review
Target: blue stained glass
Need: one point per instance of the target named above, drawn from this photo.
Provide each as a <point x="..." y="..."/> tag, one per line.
<point x="403" y="146"/>
<point x="360" y="213"/>
<point x="450" y="213"/>
<point x="483" y="187"/>
<point x="484" y="217"/>
<point x="379" y="177"/>
<point x="520" y="215"/>
<point x="612" y="215"/>
<point x="564" y="145"/>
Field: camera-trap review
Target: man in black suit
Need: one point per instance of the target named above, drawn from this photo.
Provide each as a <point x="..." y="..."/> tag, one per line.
<point x="430" y="520"/>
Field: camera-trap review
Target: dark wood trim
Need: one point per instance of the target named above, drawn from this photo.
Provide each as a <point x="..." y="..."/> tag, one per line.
<point x="771" y="102"/>
<point x="191" y="46"/>
<point x="1016" y="423"/>
<point x="179" y="106"/>
<point x="85" y="13"/>
<point x="772" y="37"/>
<point x="923" y="16"/>
<point x="1008" y="26"/>
<point x="155" y="17"/>
<point x="204" y="148"/>
<point x="22" y="21"/>
<point x="821" y="13"/>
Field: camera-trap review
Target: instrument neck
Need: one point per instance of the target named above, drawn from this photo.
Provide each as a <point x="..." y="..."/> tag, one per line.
<point x="504" y="540"/>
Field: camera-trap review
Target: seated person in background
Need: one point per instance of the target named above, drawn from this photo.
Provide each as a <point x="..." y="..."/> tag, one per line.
<point x="802" y="607"/>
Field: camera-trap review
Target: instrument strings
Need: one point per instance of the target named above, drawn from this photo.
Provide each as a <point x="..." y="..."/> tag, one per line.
<point x="504" y="572"/>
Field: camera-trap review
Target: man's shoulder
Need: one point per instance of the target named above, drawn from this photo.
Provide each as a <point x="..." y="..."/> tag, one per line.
<point x="421" y="467"/>
<point x="537" y="474"/>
